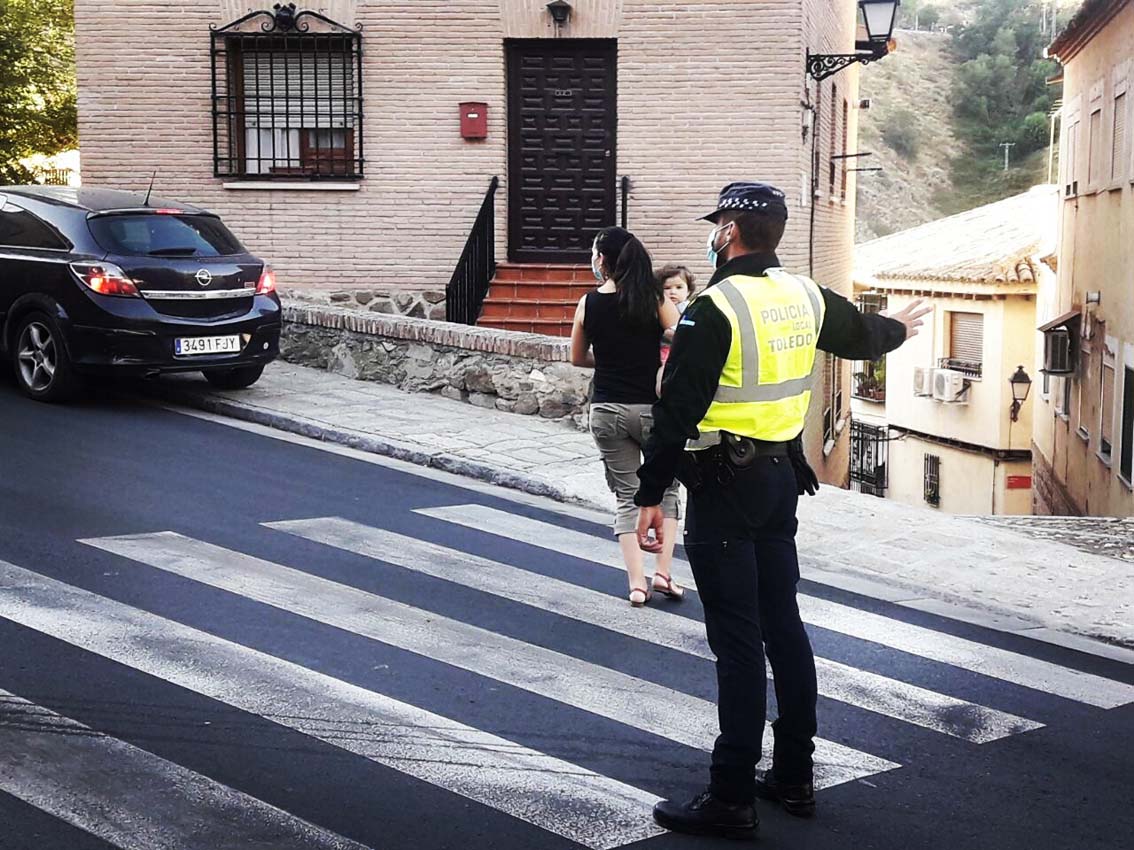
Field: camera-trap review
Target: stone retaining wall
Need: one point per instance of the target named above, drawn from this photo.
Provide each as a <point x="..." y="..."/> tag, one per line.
<point x="419" y="304"/>
<point x="514" y="372"/>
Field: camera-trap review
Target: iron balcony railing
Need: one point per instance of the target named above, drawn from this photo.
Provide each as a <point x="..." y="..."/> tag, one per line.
<point x="968" y="368"/>
<point x="465" y="294"/>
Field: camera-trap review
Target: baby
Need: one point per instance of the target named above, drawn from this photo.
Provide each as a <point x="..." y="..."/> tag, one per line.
<point x="678" y="285"/>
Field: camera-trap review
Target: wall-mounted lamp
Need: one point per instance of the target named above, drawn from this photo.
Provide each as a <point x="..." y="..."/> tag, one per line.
<point x="560" y="11"/>
<point x="1021" y="384"/>
<point x="878" y="15"/>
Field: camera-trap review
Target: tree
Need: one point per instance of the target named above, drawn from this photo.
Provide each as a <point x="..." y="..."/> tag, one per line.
<point x="37" y="82"/>
<point x="1000" y="94"/>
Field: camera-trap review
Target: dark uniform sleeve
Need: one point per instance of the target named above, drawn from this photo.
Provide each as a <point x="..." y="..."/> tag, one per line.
<point x="853" y="335"/>
<point x="700" y="349"/>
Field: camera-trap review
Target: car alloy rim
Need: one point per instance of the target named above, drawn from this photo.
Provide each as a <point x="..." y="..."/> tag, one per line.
<point x="36" y="357"/>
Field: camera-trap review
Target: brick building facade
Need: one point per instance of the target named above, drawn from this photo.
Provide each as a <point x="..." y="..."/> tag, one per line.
<point x="697" y="94"/>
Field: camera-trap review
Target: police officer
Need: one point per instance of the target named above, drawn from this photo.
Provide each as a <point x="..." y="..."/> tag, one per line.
<point x="734" y="398"/>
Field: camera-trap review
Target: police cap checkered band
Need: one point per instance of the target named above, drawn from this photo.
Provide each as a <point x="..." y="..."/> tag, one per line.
<point x="750" y="197"/>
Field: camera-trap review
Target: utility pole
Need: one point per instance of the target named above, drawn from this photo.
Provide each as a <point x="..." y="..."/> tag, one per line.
<point x="1007" y="146"/>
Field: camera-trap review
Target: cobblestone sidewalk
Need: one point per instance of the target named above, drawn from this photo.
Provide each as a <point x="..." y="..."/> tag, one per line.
<point x="1066" y="578"/>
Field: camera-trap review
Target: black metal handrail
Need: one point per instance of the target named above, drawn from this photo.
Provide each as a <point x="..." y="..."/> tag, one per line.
<point x="465" y="294"/>
<point x="625" y="183"/>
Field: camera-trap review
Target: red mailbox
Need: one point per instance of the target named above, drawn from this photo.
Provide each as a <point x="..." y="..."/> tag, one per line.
<point x="474" y="120"/>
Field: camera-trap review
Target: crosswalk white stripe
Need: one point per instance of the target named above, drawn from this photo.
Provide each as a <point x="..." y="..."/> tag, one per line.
<point x="558" y="796"/>
<point x="132" y="798"/>
<point x="546" y="535"/>
<point x="600" y="690"/>
<point x="980" y="658"/>
<point x="912" y="704"/>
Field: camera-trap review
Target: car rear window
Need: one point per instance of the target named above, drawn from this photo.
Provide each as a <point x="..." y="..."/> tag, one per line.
<point x="162" y="234"/>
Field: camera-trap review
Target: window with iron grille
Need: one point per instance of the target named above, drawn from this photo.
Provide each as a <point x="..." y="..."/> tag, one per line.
<point x="846" y="120"/>
<point x="933" y="479"/>
<point x="833" y="391"/>
<point x="287" y="97"/>
<point x="834" y="163"/>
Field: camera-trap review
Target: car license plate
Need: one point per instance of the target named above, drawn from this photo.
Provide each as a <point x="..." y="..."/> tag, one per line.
<point x="193" y="345"/>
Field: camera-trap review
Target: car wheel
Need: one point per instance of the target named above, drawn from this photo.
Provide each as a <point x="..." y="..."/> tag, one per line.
<point x="233" y="379"/>
<point x="43" y="367"/>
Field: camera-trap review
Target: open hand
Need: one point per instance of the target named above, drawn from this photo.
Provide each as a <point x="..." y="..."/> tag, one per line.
<point x="651" y="518"/>
<point x="911" y="316"/>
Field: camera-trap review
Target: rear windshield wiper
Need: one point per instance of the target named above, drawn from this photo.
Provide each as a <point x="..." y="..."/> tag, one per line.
<point x="173" y="252"/>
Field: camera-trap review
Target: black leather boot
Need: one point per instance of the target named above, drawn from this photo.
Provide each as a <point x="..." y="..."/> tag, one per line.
<point x="797" y="798"/>
<point x="706" y="815"/>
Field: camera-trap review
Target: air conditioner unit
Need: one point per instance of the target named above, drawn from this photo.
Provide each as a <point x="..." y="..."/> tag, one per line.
<point x="949" y="386"/>
<point x="923" y="381"/>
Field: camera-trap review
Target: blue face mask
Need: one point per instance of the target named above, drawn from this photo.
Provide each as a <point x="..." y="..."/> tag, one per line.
<point x="712" y="254"/>
<point x="597" y="272"/>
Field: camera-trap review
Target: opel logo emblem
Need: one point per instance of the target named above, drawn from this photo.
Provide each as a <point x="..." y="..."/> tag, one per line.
<point x="204" y="277"/>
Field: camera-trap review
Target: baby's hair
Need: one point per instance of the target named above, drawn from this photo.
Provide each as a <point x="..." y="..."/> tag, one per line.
<point x="666" y="272"/>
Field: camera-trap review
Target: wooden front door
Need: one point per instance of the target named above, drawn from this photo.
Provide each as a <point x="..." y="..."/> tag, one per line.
<point x="562" y="119"/>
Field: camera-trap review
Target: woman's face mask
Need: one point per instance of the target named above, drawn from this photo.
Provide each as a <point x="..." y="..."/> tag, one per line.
<point x="596" y="266"/>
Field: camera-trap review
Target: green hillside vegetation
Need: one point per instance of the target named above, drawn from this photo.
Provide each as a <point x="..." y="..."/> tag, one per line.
<point x="909" y="131"/>
<point x="944" y="104"/>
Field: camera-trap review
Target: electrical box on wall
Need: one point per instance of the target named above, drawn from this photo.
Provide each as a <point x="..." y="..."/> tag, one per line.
<point x="474" y="120"/>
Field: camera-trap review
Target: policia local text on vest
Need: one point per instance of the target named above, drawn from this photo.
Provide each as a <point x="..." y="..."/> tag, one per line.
<point x="734" y="398"/>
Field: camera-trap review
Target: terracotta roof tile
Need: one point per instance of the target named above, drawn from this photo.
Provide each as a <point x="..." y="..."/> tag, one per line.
<point x="1002" y="242"/>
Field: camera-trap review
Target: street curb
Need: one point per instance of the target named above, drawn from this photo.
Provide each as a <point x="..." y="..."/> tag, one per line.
<point x="369" y="443"/>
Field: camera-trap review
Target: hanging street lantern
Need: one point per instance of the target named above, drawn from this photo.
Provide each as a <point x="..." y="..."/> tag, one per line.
<point x="1021" y="384"/>
<point x="878" y="17"/>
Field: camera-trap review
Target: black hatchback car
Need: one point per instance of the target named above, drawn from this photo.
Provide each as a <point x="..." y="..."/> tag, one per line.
<point x="101" y="280"/>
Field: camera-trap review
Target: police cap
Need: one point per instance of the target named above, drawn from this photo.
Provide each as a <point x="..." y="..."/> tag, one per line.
<point x="757" y="198"/>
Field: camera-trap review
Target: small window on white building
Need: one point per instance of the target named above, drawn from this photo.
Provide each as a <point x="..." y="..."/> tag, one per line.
<point x="1106" y="404"/>
<point x="1083" y="400"/>
<point x="1094" y="149"/>
<point x="1118" y="137"/>
<point x="966" y="344"/>
<point x="1070" y="160"/>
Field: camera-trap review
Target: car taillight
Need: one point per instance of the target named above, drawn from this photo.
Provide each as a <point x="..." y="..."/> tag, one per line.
<point x="105" y="279"/>
<point x="267" y="282"/>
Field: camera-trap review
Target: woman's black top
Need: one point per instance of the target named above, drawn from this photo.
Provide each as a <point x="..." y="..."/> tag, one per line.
<point x="627" y="355"/>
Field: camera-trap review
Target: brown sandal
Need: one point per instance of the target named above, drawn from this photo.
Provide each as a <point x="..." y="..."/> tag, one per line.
<point x="644" y="591"/>
<point x="668" y="587"/>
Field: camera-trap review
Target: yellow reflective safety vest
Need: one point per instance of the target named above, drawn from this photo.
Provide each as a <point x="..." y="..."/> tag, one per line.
<point x="765" y="386"/>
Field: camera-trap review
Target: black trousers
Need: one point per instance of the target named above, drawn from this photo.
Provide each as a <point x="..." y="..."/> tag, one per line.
<point x="740" y="539"/>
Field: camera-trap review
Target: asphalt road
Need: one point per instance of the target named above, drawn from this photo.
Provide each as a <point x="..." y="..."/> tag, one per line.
<point x="213" y="638"/>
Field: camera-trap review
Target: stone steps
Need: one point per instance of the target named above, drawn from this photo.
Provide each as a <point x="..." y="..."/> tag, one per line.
<point x="535" y="298"/>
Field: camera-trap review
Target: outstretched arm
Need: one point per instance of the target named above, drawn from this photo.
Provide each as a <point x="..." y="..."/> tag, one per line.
<point x="853" y="335"/>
